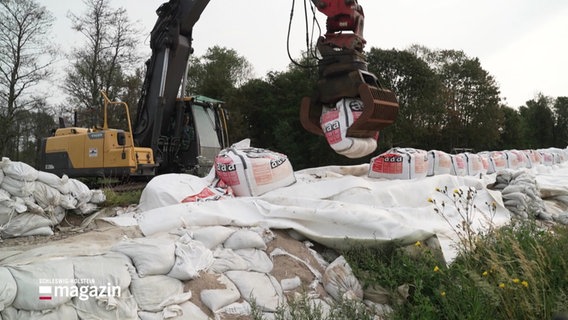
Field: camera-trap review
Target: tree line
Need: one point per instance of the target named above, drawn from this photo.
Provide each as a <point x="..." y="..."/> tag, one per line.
<point x="447" y="100"/>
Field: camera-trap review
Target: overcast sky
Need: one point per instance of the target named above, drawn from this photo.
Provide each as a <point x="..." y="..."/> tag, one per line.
<point x="522" y="43"/>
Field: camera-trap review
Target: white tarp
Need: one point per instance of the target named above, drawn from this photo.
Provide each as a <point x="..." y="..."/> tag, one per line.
<point x="330" y="204"/>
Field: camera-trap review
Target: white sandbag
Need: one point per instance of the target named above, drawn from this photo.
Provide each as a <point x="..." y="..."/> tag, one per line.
<point x="41" y="231"/>
<point x="459" y="165"/>
<point x="340" y="282"/>
<point x="334" y="124"/>
<point x="474" y="164"/>
<point x="191" y="312"/>
<point x="151" y="291"/>
<point x="289" y="284"/>
<point x="25" y="224"/>
<point x="68" y="201"/>
<point x="235" y="309"/>
<point x="19" y="204"/>
<point x="109" y="269"/>
<point x="97" y="196"/>
<point x="18" y="170"/>
<point x="257" y="260"/>
<point x="244" y="239"/>
<point x="45" y="195"/>
<point x="191" y="257"/>
<point x="225" y="260"/>
<point x="515" y="159"/>
<point x="216" y="299"/>
<point x="8" y="288"/>
<point x="485" y="162"/>
<point x="4" y="195"/>
<point x="80" y="191"/>
<point x="253" y="171"/>
<point x="439" y="162"/>
<point x="121" y="307"/>
<point x="497" y="161"/>
<point x="7" y="212"/>
<point x="18" y="188"/>
<point x="64" y="311"/>
<point x="86" y="208"/>
<point x="184" y="311"/>
<point x="32" y="206"/>
<point x="400" y="163"/>
<point x="548" y="158"/>
<point x="261" y="288"/>
<point x="213" y="236"/>
<point x="54" y="181"/>
<point x="534" y="158"/>
<point x="36" y="290"/>
<point x="150" y="256"/>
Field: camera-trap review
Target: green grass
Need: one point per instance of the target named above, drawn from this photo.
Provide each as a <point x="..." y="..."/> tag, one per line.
<point x="122" y="198"/>
<point x="519" y="271"/>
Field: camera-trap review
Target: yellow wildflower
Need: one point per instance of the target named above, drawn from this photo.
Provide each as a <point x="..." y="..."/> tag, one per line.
<point x="485" y="273"/>
<point x="502" y="285"/>
<point x="516" y="280"/>
<point x="443" y="293"/>
<point x="418" y="244"/>
<point x="525" y="284"/>
<point x="436" y="269"/>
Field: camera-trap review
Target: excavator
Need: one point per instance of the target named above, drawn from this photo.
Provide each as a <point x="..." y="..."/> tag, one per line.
<point x="175" y="133"/>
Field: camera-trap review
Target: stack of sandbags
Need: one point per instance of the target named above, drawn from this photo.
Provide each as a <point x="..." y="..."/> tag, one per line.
<point x="192" y="273"/>
<point x="32" y="201"/>
<point x="253" y="171"/>
<point x="43" y="290"/>
<point x="521" y="195"/>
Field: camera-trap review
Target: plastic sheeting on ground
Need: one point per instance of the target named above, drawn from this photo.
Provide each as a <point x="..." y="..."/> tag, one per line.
<point x="331" y="204"/>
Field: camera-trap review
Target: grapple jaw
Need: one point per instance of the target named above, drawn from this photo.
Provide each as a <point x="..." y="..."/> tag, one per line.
<point x="380" y="106"/>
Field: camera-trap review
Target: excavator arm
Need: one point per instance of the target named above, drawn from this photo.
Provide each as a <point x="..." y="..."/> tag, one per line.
<point x="342" y="74"/>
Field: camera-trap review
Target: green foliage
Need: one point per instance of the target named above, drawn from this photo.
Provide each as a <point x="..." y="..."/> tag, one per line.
<point x="123" y="198"/>
<point x="561" y="127"/>
<point x="514" y="272"/>
<point x="217" y="73"/>
<point x="539" y="119"/>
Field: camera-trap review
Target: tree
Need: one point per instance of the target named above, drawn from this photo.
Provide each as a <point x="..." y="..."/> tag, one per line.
<point x="417" y="88"/>
<point x="105" y="60"/>
<point x="512" y="131"/>
<point x="470" y="97"/>
<point x="539" y="120"/>
<point x="561" y="127"/>
<point x="217" y="73"/>
<point x="36" y="124"/>
<point x="25" y="60"/>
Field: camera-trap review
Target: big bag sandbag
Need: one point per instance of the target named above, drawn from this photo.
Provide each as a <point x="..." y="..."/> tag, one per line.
<point x="253" y="171"/>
